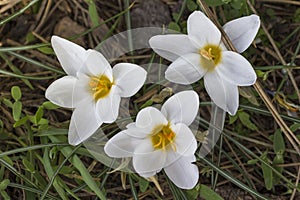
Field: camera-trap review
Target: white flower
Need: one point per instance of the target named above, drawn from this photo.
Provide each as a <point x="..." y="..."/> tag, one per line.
<point x="91" y="86"/>
<point x="201" y="53"/>
<point x="162" y="140"/>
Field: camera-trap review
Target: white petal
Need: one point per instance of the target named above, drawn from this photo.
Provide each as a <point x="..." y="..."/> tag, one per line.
<point x="121" y="145"/>
<point x="185" y="70"/>
<point x="149" y="118"/>
<point x="60" y="92"/>
<point x="97" y="65"/>
<point x="232" y="97"/>
<point x="172" y="46"/>
<point x="146" y="160"/>
<point x="129" y="78"/>
<point x="202" y="30"/>
<point x="84" y="122"/>
<point x="108" y="107"/>
<point x="183" y="173"/>
<point x="185" y="140"/>
<point x="82" y="89"/>
<point x="181" y="107"/>
<point x="215" y="88"/>
<point x="242" y="31"/>
<point x="134" y="131"/>
<point x="70" y="55"/>
<point x="236" y="69"/>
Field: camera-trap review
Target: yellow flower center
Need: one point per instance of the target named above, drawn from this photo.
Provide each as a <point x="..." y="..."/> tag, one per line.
<point x="210" y="56"/>
<point x="163" y="136"/>
<point x="100" y="86"/>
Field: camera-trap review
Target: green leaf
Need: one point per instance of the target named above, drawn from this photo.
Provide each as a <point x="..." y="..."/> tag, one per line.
<point x="267" y="173"/>
<point x="46" y="50"/>
<point x="191" y="5"/>
<point x="278" y="159"/>
<point x="7" y="102"/>
<point x="295" y="127"/>
<point x="39" y="114"/>
<point x="245" y="119"/>
<point x="30" y="37"/>
<point x="143" y="184"/>
<point x="252" y="162"/>
<point x="17" y="110"/>
<point x="16" y="93"/>
<point x="146" y="104"/>
<point x="193" y="193"/>
<point x="233" y="118"/>
<point x="4" y="184"/>
<point x="214" y="2"/>
<point x="209" y="194"/>
<point x="174" y="26"/>
<point x="175" y="16"/>
<point x="28" y="165"/>
<point x="49" y="105"/>
<point x="93" y="12"/>
<point x="4" y="195"/>
<point x="279" y="146"/>
<point x="21" y="121"/>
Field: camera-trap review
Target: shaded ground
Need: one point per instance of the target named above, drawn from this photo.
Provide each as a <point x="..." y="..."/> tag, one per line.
<point x="71" y="17"/>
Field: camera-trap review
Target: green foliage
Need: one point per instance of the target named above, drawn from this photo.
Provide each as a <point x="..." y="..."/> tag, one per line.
<point x="46" y="50"/>
<point x="174" y="26"/>
<point x="191" y="5"/>
<point x="3" y="186"/>
<point x="203" y="192"/>
<point x="267" y="172"/>
<point x="93" y="12"/>
<point x="245" y="119"/>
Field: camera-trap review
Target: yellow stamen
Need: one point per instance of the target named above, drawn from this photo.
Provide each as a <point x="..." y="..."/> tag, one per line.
<point x="210" y="56"/>
<point x="163" y="136"/>
<point x="100" y="86"/>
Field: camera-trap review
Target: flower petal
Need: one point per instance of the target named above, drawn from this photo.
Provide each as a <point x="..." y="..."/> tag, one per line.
<point x="136" y="132"/>
<point x="185" y="70"/>
<point x="129" y="78"/>
<point x="183" y="173"/>
<point x="146" y="160"/>
<point x="97" y="65"/>
<point x="181" y="107"/>
<point x="216" y="89"/>
<point x="108" y="107"/>
<point x="172" y="46"/>
<point x="70" y="55"/>
<point x="236" y="69"/>
<point x="60" y="92"/>
<point x="242" y="31"/>
<point x="232" y="97"/>
<point x="185" y="140"/>
<point x="121" y="145"/>
<point x="149" y="118"/>
<point x="84" y="122"/>
<point x="202" y="30"/>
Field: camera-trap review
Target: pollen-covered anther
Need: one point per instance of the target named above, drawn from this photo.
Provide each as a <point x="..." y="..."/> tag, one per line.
<point x="207" y="54"/>
<point x="163" y="137"/>
<point x="100" y="86"/>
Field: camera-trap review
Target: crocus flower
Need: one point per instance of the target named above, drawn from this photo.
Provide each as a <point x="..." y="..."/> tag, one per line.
<point x="91" y="87"/>
<point x="201" y="53"/>
<point x="161" y="139"/>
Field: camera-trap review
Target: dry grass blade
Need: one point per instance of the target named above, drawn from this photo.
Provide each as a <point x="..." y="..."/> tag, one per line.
<point x="286" y="130"/>
<point x="8" y="4"/>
